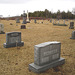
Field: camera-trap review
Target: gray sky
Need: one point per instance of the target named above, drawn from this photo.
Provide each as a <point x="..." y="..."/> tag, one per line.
<point x="16" y="7"/>
<point x="13" y="1"/>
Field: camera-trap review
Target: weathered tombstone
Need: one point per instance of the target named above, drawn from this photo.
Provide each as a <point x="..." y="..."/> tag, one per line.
<point x="53" y="21"/>
<point x="27" y="17"/>
<point x="63" y="21"/>
<point x="46" y="55"/>
<point x="24" y="18"/>
<point x="35" y="21"/>
<point x="50" y="20"/>
<point x="23" y="27"/>
<point x="71" y="25"/>
<point x="11" y="39"/>
<point x="58" y="21"/>
<point x="1" y="29"/>
<point x="73" y="35"/>
<point x="17" y="20"/>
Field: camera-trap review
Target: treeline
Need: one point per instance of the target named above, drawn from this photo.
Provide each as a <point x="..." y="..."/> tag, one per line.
<point x="48" y="14"/>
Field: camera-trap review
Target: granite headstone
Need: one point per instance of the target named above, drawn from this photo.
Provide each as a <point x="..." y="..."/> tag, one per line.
<point x="73" y="35"/>
<point x="23" y="27"/>
<point x="71" y="25"/>
<point x="46" y="55"/>
<point x="12" y="38"/>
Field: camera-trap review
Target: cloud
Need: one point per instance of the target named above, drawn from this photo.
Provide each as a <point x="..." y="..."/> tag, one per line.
<point x="13" y="1"/>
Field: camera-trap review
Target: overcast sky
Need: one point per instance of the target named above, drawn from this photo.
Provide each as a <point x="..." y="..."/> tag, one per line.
<point x="16" y="7"/>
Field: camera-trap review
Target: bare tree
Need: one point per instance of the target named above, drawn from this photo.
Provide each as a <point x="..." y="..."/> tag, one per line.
<point x="73" y="11"/>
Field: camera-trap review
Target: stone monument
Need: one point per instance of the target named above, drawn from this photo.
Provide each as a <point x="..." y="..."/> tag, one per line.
<point x="46" y="55"/>
<point x="58" y="21"/>
<point x="1" y="29"/>
<point x="17" y="20"/>
<point x="50" y="20"/>
<point x="71" y="25"/>
<point x="63" y="21"/>
<point x="27" y="17"/>
<point x="24" y="18"/>
<point x="73" y="35"/>
<point x="23" y="27"/>
<point x="35" y="21"/>
<point x="13" y="38"/>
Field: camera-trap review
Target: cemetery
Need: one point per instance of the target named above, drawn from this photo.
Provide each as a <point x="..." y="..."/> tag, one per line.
<point x="40" y="48"/>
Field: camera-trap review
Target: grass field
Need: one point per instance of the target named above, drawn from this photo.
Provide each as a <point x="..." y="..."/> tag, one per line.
<point x="15" y="61"/>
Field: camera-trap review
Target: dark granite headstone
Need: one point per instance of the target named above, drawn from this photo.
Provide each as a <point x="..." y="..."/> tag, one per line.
<point x="17" y="20"/>
<point x="73" y="35"/>
<point x="24" y="18"/>
<point x="71" y="25"/>
<point x="50" y="20"/>
<point x="12" y="39"/>
<point x="35" y="21"/>
<point x="23" y="27"/>
<point x="46" y="55"/>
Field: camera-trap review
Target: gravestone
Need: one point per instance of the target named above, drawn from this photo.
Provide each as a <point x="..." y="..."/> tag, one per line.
<point x="24" y="18"/>
<point x="17" y="20"/>
<point x="73" y="35"/>
<point x="1" y="29"/>
<point x="27" y="17"/>
<point x="13" y="38"/>
<point x="50" y="20"/>
<point x="46" y="55"/>
<point x="63" y="21"/>
<point x="23" y="27"/>
<point x="71" y="25"/>
<point x="35" y="21"/>
<point x="58" y="21"/>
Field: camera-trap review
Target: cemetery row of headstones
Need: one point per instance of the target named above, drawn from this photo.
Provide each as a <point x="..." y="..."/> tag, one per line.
<point x="24" y="18"/>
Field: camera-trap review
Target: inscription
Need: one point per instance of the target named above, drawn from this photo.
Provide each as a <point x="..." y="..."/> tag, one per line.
<point x="50" y="52"/>
<point x="55" y="56"/>
<point x="14" y="35"/>
<point x="44" y="60"/>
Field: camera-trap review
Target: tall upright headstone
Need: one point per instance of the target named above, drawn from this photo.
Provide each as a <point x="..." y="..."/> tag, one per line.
<point x="50" y="20"/>
<point x="58" y="21"/>
<point x="35" y="21"/>
<point x="27" y="17"/>
<point x="63" y="21"/>
<point x="46" y="55"/>
<point x="73" y="35"/>
<point x="71" y="25"/>
<point x="12" y="38"/>
<point x="2" y="28"/>
<point x="24" y="18"/>
<point x="17" y="20"/>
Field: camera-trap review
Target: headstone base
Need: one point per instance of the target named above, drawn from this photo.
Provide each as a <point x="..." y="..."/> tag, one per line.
<point x="39" y="69"/>
<point x="60" y="24"/>
<point x="71" y="27"/>
<point x="72" y="38"/>
<point x="23" y="22"/>
<point x="27" y="21"/>
<point x="17" y="22"/>
<point x="13" y="44"/>
<point x="2" y="33"/>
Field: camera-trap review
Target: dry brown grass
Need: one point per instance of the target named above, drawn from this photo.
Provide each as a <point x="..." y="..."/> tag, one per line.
<point x="15" y="61"/>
